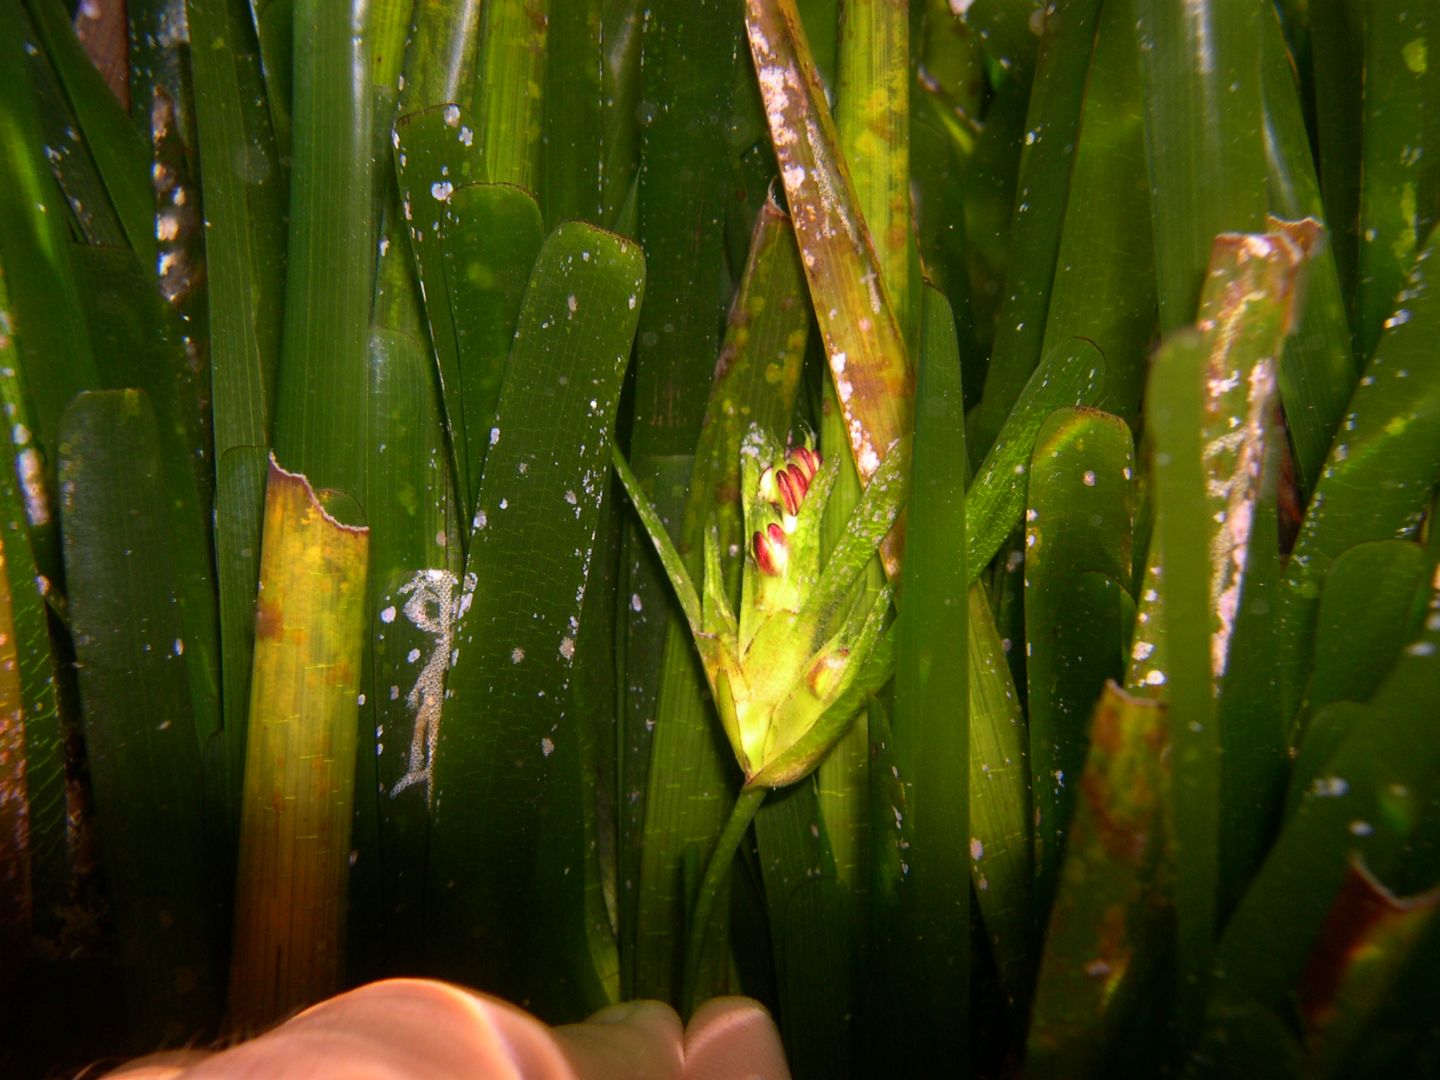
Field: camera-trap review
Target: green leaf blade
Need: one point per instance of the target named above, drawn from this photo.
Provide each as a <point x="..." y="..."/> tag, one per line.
<point x="531" y="543"/>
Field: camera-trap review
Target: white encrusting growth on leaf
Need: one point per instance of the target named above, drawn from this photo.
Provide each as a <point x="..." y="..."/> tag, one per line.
<point x="434" y="606"/>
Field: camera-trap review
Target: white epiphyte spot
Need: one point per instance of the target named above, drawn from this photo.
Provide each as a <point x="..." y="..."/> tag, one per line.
<point x="32" y="482"/>
<point x="547" y="747"/>
<point x="572" y="305"/>
<point x="441" y="190"/>
<point x="636" y="604"/>
<point x="517" y="654"/>
<point x="434" y="604"/>
<point x="567" y="648"/>
<point x="388" y="615"/>
<point x="412" y="656"/>
<point x="571" y="498"/>
<point x="494" y="435"/>
<point x="977" y="849"/>
<point x="452" y="115"/>
<point x="1329" y="787"/>
<point x="1088" y="479"/>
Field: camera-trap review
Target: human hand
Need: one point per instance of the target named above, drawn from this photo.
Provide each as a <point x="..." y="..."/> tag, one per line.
<point x="399" y="1029"/>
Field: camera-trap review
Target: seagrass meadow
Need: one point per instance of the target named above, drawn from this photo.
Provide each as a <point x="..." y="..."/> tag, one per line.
<point x="920" y="513"/>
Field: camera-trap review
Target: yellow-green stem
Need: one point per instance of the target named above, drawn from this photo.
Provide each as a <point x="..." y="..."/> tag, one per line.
<point x="746" y="804"/>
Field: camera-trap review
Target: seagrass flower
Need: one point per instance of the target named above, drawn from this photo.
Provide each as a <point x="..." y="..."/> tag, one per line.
<point x="788" y="671"/>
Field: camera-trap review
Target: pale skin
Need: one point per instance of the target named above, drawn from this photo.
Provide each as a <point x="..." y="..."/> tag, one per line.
<point x="400" y="1029"/>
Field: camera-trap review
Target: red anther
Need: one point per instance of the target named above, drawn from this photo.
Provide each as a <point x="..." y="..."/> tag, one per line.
<point x="771" y="550"/>
<point x="807" y="460"/>
<point x="791" y="490"/>
<point x="800" y="478"/>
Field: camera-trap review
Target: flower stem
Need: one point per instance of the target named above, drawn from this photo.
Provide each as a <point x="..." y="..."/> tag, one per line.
<point x="746" y="804"/>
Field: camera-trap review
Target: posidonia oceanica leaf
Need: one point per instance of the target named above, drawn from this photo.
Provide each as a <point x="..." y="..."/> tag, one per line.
<point x="138" y="343"/>
<point x="1079" y="522"/>
<point x="986" y="178"/>
<point x="1380" y="473"/>
<point x="932" y="730"/>
<point x="1071" y="374"/>
<point x="1104" y="286"/>
<point x="888" y="869"/>
<point x="871" y="48"/>
<point x="243" y="191"/>
<point x="320" y="402"/>
<point x="239" y="517"/>
<point x="872" y="121"/>
<point x="1052" y="123"/>
<point x="935" y="164"/>
<point x="162" y="106"/>
<point x="1246" y="310"/>
<point x="1372" y="796"/>
<point x="119" y="150"/>
<point x="1006" y="28"/>
<point x="1001" y="818"/>
<point x="509" y="83"/>
<point x="1370" y="607"/>
<point x="490" y="237"/>
<point x="436" y="152"/>
<point x="416" y="577"/>
<point x="43" y="304"/>
<point x="1337" y="44"/>
<point x="1204" y="150"/>
<point x="274" y="28"/>
<point x="439" y="57"/>
<point x="865" y="344"/>
<point x="687" y="87"/>
<point x="1318" y="371"/>
<point x="391" y="24"/>
<point x="680" y="580"/>
<point x="621" y="37"/>
<point x="686" y="92"/>
<point x="1212" y="396"/>
<point x="572" y="146"/>
<point x="1369" y="939"/>
<point x="1399" y="140"/>
<point x="162" y="868"/>
<point x="509" y="737"/>
<point x="33" y="856"/>
<point x="819" y="911"/>
<point x="299" y="787"/>
<point x="1177" y="405"/>
<point x="17" y="904"/>
<point x="90" y="215"/>
<point x="792" y="849"/>
<point x="1111" y="918"/>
